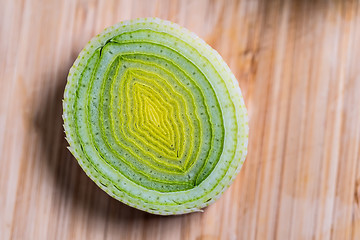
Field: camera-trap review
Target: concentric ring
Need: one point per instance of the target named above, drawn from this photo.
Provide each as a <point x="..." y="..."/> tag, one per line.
<point x="155" y="117"/>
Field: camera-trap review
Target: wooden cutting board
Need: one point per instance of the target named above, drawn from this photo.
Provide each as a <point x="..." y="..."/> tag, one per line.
<point x="298" y="65"/>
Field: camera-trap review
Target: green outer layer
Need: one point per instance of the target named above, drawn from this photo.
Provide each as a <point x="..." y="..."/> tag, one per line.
<point x="164" y="203"/>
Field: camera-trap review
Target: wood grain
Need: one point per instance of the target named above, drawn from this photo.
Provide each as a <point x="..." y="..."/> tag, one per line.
<point x="298" y="64"/>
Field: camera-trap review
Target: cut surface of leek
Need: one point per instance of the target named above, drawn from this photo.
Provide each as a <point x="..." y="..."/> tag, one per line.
<point x="155" y="117"/>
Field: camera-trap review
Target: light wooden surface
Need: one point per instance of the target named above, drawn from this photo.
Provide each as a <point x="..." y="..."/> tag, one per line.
<point x="298" y="64"/>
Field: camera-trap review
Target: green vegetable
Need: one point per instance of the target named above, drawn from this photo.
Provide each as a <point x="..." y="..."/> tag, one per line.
<point x="155" y="117"/>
